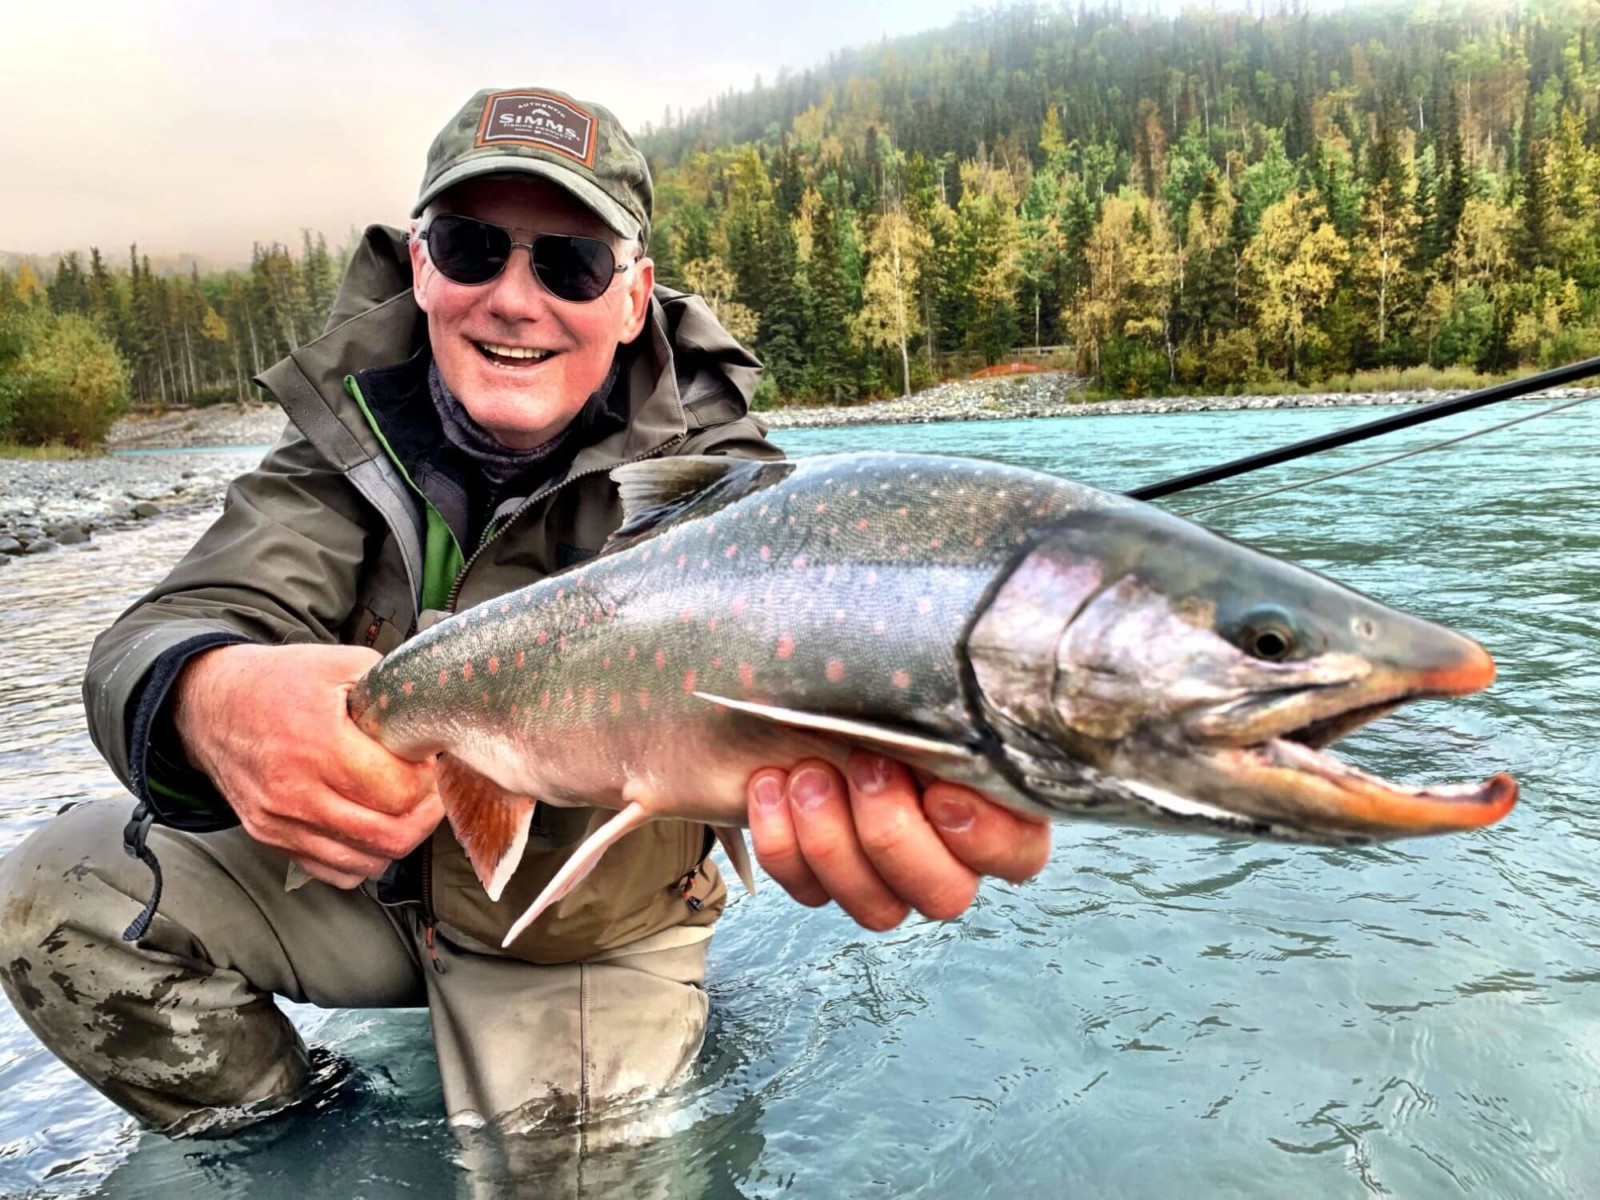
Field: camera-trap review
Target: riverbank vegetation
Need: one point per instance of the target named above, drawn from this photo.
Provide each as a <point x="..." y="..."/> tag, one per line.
<point x="1212" y="203"/>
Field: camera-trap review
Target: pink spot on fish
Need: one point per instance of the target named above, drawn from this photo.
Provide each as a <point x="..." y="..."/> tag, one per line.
<point x="711" y="625"/>
<point x="902" y="679"/>
<point x="862" y="523"/>
<point x="730" y="551"/>
<point x="686" y="616"/>
<point x="924" y="605"/>
<point x="644" y="701"/>
<point x="830" y="574"/>
<point x="606" y="661"/>
<point x="544" y="699"/>
<point x="561" y="642"/>
<point x="494" y="665"/>
<point x="633" y="653"/>
<point x="738" y="605"/>
<point x="688" y="680"/>
<point x="505" y="606"/>
<point x="936" y="543"/>
<point x="682" y="559"/>
<point x="799" y="563"/>
<point x="521" y="658"/>
<point x="543" y="637"/>
<point x="444" y="676"/>
<point x="902" y="511"/>
<point x="408" y="687"/>
<point x="878" y="627"/>
<point x="588" y="696"/>
<point x="835" y="670"/>
<point x="661" y="659"/>
<point x="567" y="698"/>
<point x="766" y="553"/>
<point x="561" y="593"/>
<point x="747" y="674"/>
<point x="616" y="703"/>
<point x="786" y="647"/>
<point x="838" y="616"/>
<point x="383" y="700"/>
<point x="466" y="671"/>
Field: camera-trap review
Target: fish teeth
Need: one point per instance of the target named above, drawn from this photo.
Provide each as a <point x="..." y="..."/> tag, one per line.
<point x="514" y="351"/>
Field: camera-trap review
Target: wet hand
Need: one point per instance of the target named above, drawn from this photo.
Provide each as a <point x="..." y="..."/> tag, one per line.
<point x="268" y="725"/>
<point x="879" y="845"/>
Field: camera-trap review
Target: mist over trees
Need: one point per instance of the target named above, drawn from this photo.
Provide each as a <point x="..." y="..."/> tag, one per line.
<point x="1202" y="203"/>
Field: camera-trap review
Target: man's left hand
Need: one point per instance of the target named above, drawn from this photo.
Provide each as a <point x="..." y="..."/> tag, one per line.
<point x="880" y="845"/>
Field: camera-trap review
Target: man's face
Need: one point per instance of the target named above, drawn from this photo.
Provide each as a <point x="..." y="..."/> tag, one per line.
<point x="525" y="402"/>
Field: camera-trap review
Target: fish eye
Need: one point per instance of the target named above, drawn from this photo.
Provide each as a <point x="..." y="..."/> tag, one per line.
<point x="1267" y="633"/>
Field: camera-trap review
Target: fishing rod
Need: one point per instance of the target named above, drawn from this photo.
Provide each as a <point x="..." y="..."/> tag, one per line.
<point x="1510" y="390"/>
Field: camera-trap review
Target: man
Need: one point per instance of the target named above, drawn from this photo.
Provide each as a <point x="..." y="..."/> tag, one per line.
<point x="450" y="439"/>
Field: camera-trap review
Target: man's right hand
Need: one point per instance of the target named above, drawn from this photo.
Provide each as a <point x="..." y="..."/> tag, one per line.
<point x="268" y="725"/>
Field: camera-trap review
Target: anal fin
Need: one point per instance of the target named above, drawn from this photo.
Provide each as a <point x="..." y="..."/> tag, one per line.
<point x="490" y="823"/>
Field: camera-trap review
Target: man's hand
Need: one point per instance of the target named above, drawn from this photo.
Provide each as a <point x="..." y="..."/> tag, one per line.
<point x="268" y="724"/>
<point x="882" y="846"/>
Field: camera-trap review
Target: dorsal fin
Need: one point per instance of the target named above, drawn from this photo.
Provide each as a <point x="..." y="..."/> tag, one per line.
<point x="659" y="490"/>
<point x="659" y="481"/>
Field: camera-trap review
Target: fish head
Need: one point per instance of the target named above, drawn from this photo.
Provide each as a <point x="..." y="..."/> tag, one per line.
<point x="1201" y="681"/>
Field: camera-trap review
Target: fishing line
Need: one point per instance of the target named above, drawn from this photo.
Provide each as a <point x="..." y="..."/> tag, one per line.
<point x="1468" y="436"/>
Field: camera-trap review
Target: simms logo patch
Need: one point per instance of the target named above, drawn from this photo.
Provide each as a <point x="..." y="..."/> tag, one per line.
<point x="535" y="119"/>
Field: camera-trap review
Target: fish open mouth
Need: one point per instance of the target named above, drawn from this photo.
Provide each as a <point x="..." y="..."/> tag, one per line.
<point x="1289" y="777"/>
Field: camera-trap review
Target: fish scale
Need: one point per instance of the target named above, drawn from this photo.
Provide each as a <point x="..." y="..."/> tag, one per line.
<point x="1066" y="651"/>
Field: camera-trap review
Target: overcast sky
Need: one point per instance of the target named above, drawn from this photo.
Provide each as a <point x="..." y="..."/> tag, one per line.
<point x="203" y="126"/>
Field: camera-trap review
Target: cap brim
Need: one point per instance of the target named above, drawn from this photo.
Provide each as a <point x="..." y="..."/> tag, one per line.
<point x="607" y="209"/>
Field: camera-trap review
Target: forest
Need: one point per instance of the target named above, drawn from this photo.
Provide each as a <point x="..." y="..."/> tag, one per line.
<point x="1202" y="203"/>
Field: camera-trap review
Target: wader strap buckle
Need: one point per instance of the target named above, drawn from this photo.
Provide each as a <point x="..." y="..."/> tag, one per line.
<point x="133" y="842"/>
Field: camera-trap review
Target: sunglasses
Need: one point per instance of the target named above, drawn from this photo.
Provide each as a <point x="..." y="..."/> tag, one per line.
<point x="469" y="251"/>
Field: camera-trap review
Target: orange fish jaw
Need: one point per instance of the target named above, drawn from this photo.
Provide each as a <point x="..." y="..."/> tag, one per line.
<point x="1286" y="782"/>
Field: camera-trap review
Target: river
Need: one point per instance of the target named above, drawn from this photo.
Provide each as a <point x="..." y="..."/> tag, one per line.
<point x="1155" y="1015"/>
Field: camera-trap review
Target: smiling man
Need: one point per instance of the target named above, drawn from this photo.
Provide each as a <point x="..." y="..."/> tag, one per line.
<point x="450" y="438"/>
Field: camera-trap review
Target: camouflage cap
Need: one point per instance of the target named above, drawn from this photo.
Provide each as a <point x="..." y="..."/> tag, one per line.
<point x="577" y="145"/>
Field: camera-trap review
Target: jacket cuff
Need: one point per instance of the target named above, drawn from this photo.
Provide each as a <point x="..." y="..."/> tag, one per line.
<point x="177" y="794"/>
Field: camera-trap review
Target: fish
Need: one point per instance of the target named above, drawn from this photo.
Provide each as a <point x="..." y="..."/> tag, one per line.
<point x="1067" y="652"/>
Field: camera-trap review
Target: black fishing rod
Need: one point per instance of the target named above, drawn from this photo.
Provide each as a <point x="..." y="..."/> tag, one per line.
<point x="1510" y="390"/>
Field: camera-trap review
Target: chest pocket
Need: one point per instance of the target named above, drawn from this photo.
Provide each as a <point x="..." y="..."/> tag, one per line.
<point x="367" y="628"/>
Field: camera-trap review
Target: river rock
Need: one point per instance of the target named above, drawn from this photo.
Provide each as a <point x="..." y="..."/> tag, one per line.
<point x="43" y="546"/>
<point x="72" y="536"/>
<point x="145" y="509"/>
<point x="10" y="546"/>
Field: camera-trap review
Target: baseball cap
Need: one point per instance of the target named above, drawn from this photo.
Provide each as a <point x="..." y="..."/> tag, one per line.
<point x="577" y="145"/>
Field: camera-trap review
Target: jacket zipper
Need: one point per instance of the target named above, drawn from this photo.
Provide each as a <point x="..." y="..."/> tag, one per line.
<point x="429" y="923"/>
<point x="494" y="532"/>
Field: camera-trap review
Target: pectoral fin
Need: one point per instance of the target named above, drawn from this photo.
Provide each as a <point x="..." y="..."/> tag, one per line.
<point x="948" y="760"/>
<point x="576" y="869"/>
<point x="490" y="823"/>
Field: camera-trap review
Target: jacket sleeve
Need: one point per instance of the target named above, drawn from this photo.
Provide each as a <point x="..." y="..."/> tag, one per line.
<point x="280" y="565"/>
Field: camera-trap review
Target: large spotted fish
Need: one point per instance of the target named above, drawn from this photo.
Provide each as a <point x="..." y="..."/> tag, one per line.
<point x="1067" y="652"/>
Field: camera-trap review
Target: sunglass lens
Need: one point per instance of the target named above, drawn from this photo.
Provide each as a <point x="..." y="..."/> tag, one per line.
<point x="468" y="251"/>
<point x="573" y="268"/>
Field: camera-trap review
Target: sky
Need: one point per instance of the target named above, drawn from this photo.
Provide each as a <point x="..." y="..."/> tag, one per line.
<point x="201" y="127"/>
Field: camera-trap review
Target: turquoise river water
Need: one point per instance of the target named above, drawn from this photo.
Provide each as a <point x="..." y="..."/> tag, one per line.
<point x="1155" y="1015"/>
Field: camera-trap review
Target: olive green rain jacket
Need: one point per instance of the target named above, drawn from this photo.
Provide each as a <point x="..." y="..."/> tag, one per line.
<point x="330" y="541"/>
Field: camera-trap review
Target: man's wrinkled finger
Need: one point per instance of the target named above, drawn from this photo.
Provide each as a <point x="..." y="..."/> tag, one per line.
<point x="901" y="844"/>
<point x="772" y="832"/>
<point x="987" y="838"/>
<point x="825" y="828"/>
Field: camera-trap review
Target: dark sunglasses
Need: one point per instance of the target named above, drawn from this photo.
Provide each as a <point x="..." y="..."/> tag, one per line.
<point x="469" y="251"/>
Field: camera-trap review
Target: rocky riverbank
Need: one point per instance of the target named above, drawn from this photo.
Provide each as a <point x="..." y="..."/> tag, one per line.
<point x="47" y="504"/>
